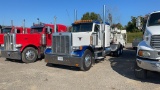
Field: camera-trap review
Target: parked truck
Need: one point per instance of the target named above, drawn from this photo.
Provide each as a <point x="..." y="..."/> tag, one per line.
<point x="30" y="46"/>
<point x="148" y="50"/>
<point x="88" y="41"/>
<point x="118" y="41"/>
<point x="11" y="29"/>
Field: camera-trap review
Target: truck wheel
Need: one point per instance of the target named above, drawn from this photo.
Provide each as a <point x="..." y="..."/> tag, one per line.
<point x="139" y="72"/>
<point x="117" y="53"/>
<point x="121" y="50"/>
<point x="86" y="60"/>
<point x="29" y="55"/>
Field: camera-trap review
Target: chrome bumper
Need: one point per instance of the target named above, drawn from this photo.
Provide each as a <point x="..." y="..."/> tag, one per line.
<point x="63" y="60"/>
<point x="148" y="64"/>
<point x="11" y="54"/>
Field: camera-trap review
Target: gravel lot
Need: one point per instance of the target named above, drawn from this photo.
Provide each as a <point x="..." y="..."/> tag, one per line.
<point x="111" y="74"/>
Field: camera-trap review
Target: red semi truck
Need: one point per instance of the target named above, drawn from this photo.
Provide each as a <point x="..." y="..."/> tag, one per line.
<point x="30" y="46"/>
<point x="11" y="29"/>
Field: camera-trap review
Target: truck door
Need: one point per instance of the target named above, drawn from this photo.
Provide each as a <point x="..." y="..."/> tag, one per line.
<point x="96" y="35"/>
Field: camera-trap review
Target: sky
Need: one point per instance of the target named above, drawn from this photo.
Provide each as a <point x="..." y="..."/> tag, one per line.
<point x="46" y="10"/>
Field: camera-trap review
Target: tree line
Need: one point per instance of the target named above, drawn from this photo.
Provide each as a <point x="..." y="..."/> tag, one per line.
<point x="130" y="27"/>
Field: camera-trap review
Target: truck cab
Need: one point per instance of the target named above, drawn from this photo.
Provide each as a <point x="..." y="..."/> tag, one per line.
<point x="148" y="50"/>
<point x="29" y="46"/>
<point x="11" y="29"/>
<point x="88" y="40"/>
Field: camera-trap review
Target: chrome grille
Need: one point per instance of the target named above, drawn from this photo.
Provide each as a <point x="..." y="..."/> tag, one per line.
<point x="9" y="42"/>
<point x="61" y="44"/>
<point x="155" y="41"/>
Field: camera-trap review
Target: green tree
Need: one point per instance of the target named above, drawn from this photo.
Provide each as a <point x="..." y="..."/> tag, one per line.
<point x="91" y="16"/>
<point x="131" y="26"/>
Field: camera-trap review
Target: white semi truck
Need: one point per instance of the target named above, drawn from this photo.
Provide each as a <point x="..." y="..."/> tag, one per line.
<point x="148" y="50"/>
<point x="118" y="41"/>
<point x="89" y="40"/>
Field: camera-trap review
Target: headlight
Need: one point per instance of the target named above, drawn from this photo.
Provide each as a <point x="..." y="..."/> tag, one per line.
<point x="77" y="47"/>
<point x="18" y="45"/>
<point x="2" y="45"/>
<point x="145" y="54"/>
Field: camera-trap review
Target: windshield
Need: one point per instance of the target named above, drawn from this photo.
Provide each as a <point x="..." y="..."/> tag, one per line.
<point x="82" y="27"/>
<point x="154" y="19"/>
<point x="37" y="29"/>
<point x="6" y="30"/>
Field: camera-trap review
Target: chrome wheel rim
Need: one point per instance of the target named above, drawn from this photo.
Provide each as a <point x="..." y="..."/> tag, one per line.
<point x="30" y="55"/>
<point x="88" y="60"/>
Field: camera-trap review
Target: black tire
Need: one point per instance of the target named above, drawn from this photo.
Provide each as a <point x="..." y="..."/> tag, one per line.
<point x="139" y="72"/>
<point x="121" y="50"/>
<point x="117" y="53"/>
<point x="29" y="55"/>
<point x="87" y="60"/>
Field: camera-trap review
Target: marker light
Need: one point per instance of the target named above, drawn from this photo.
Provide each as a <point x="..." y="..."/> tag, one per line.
<point x="82" y="21"/>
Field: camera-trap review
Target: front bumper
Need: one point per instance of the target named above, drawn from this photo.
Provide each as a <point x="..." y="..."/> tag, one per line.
<point x="63" y="60"/>
<point x="11" y="54"/>
<point x="114" y="47"/>
<point x="148" y="64"/>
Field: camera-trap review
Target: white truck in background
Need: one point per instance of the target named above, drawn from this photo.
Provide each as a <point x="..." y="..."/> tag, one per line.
<point x="118" y="41"/>
<point x="148" y="50"/>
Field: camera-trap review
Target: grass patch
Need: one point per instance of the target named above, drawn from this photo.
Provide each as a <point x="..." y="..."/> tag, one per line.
<point x="132" y="35"/>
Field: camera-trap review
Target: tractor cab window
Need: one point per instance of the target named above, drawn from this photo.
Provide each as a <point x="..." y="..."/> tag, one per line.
<point x="18" y="31"/>
<point x="48" y="30"/>
<point x="96" y="28"/>
<point x="154" y="19"/>
<point x="6" y="30"/>
<point x="82" y="27"/>
<point x="36" y="30"/>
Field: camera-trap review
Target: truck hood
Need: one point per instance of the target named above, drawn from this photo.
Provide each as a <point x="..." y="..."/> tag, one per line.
<point x="154" y="30"/>
<point x="81" y="38"/>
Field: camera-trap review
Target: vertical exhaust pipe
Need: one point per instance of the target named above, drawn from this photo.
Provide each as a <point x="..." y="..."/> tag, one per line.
<point x="104" y="14"/>
<point x="75" y="15"/>
<point x="55" y="26"/>
<point x="12" y="23"/>
<point x="104" y="19"/>
<point x="23" y="26"/>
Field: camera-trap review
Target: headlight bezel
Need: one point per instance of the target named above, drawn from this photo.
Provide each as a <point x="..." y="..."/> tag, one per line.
<point x="74" y="48"/>
<point x="144" y="53"/>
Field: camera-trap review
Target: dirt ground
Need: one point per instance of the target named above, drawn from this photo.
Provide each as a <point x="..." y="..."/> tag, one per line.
<point x="113" y="73"/>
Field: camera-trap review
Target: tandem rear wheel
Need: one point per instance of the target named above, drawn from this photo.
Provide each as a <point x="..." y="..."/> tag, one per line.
<point x="29" y="55"/>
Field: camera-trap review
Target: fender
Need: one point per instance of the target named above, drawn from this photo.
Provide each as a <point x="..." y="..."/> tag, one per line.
<point x="144" y="46"/>
<point x="30" y="45"/>
<point x="79" y="53"/>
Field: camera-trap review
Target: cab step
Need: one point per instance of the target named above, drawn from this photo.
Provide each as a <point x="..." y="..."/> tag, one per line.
<point x="99" y="58"/>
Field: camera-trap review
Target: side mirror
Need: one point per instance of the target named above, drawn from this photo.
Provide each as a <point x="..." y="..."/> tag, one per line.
<point x="138" y="23"/>
<point x="15" y="30"/>
<point x="48" y="30"/>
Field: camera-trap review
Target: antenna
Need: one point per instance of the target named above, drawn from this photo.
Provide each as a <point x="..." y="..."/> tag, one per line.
<point x="68" y="16"/>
